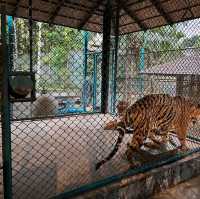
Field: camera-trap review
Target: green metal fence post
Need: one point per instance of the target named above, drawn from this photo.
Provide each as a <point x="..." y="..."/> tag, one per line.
<point x="107" y="16"/>
<point x="142" y="64"/>
<point x="95" y="56"/>
<point x="11" y="40"/>
<point x="85" y="64"/>
<point x="10" y="45"/>
<point x="5" y="116"/>
<point x="115" y="57"/>
<point x="113" y="95"/>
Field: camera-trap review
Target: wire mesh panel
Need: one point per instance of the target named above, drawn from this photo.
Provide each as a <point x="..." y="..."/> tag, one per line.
<point x="54" y="139"/>
<point x="164" y="60"/>
<point x="58" y="139"/>
<point x="1" y="83"/>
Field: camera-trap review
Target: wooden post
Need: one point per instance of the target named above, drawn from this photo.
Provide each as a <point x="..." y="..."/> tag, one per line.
<point x="1" y="73"/>
<point x="107" y="16"/>
<point x="5" y="115"/>
<point x="115" y="68"/>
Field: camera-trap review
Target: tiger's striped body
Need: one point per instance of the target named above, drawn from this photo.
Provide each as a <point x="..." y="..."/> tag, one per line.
<point x="153" y="115"/>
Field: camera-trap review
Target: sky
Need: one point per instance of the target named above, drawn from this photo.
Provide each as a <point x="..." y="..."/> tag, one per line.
<point x="190" y="28"/>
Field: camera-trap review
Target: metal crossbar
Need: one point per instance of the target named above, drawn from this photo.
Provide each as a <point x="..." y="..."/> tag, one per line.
<point x="51" y="145"/>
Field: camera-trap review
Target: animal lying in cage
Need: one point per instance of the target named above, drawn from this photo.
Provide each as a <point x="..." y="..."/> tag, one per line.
<point x="152" y="115"/>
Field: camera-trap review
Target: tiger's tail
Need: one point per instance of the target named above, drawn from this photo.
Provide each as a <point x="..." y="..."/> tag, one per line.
<point x="122" y="130"/>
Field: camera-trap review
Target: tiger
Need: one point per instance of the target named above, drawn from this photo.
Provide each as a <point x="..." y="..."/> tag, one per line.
<point x="154" y="114"/>
<point x="121" y="107"/>
<point x="112" y="125"/>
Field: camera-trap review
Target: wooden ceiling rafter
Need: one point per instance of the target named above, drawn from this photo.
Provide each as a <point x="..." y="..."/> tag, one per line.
<point x="135" y="18"/>
<point x="56" y="11"/>
<point x="135" y="15"/>
<point x="89" y="15"/>
<point x="161" y="10"/>
<point x="16" y="7"/>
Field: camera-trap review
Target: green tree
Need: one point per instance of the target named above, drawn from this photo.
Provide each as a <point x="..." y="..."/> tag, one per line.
<point x="52" y="48"/>
<point x="191" y="42"/>
<point x="58" y="45"/>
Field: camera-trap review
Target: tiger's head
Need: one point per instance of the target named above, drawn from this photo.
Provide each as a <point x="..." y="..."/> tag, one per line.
<point x="122" y="106"/>
<point x="195" y="114"/>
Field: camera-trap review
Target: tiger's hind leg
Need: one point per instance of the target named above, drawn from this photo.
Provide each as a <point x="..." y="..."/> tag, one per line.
<point x="156" y="143"/>
<point x="182" y="139"/>
<point x="181" y="132"/>
<point x="133" y="147"/>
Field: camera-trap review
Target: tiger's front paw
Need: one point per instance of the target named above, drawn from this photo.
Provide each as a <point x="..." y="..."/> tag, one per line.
<point x="129" y="155"/>
<point x="110" y="125"/>
<point x="134" y="165"/>
<point x="183" y="148"/>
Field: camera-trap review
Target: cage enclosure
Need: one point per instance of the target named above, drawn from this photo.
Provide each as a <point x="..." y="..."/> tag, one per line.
<point x="84" y="58"/>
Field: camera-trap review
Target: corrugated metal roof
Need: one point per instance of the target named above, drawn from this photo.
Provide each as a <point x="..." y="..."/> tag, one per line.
<point x="135" y="15"/>
<point x="188" y="64"/>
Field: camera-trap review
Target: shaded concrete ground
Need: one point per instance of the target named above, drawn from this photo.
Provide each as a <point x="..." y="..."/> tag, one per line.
<point x="55" y="155"/>
<point x="186" y="190"/>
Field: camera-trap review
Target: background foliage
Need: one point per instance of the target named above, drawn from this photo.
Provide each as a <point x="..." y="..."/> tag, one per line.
<point x="56" y="48"/>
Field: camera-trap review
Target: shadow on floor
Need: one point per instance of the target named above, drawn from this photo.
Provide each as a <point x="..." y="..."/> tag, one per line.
<point x="186" y="190"/>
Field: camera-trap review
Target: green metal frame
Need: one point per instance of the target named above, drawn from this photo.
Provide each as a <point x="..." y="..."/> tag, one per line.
<point x="6" y="122"/>
<point x="115" y="61"/>
<point x="107" y="18"/>
<point x="142" y="64"/>
<point x="11" y="40"/>
<point x="85" y="53"/>
<point x="94" y="97"/>
<point x="129" y="173"/>
<point x="113" y="82"/>
<point x="6" y="117"/>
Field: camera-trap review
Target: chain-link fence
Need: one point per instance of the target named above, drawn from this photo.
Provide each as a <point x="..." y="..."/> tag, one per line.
<point x="58" y="139"/>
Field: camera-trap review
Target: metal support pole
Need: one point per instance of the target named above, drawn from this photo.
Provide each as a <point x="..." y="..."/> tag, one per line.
<point x="142" y="65"/>
<point x="5" y="116"/>
<point x="10" y="47"/>
<point x="95" y="56"/>
<point x="113" y="82"/>
<point x="10" y="36"/>
<point x="31" y="50"/>
<point x="86" y="35"/>
<point x="105" y="56"/>
<point x="114" y="86"/>
<point x="30" y="36"/>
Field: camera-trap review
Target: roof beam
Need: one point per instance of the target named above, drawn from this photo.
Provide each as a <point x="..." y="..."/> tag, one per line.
<point x="90" y="13"/>
<point x="145" y="7"/>
<point x="16" y="8"/>
<point x="71" y="5"/>
<point x="122" y="4"/>
<point x="56" y="11"/>
<point x="160" y="9"/>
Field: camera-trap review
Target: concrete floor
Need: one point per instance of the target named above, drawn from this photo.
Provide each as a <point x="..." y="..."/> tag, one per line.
<point x="55" y="155"/>
<point x="187" y="190"/>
